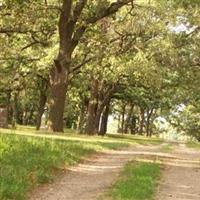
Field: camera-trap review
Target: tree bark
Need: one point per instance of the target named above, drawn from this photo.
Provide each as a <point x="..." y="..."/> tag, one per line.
<point x="42" y="102"/>
<point x="58" y="88"/>
<point x="123" y="118"/>
<point x="57" y="105"/>
<point x="91" y="122"/>
<point x="14" y="111"/>
<point x="119" y="123"/>
<point x="142" y="119"/>
<point x="97" y="121"/>
<point x="101" y="106"/>
<point x="81" y="121"/>
<point x="25" y="117"/>
<point x="133" y="125"/>
<point x="149" y="114"/>
<point x="104" y="121"/>
<point x="9" y="108"/>
<point x="59" y="73"/>
<point x="30" y="118"/>
<point x="105" y="95"/>
<point x="128" y="118"/>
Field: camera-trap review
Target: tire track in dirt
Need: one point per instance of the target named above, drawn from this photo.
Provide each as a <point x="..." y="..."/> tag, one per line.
<point x="91" y="178"/>
<point x="181" y="179"/>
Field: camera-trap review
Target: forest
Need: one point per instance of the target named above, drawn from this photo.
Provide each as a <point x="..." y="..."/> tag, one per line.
<point x="75" y="67"/>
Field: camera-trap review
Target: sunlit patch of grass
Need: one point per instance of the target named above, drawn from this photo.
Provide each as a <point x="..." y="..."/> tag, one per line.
<point x="33" y="130"/>
<point x="73" y="135"/>
<point x="30" y="157"/>
<point x="28" y="161"/>
<point x="138" y="182"/>
<point x="68" y="136"/>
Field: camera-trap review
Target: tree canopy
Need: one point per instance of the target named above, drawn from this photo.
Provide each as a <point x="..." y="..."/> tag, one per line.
<point x="81" y="61"/>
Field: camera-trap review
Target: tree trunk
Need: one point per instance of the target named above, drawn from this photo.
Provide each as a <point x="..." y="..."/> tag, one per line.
<point x="42" y="102"/>
<point x="104" y="121"/>
<point x="97" y="121"/>
<point x="101" y="106"/>
<point x="25" y="117"/>
<point x="90" y="123"/>
<point x="123" y="118"/>
<point x="128" y="118"/>
<point x="149" y="114"/>
<point x="14" y="111"/>
<point x="30" y="118"/>
<point x="147" y="125"/>
<point x="58" y="89"/>
<point x="91" y="118"/>
<point x="70" y="35"/>
<point x="133" y="125"/>
<point x="104" y="98"/>
<point x="142" y="119"/>
<point x="57" y="105"/>
<point x="9" y="108"/>
<point x="81" y="119"/>
<point x="119" y="123"/>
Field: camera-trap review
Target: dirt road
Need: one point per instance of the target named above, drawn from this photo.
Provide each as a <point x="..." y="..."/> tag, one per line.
<point x="181" y="177"/>
<point x="90" y="179"/>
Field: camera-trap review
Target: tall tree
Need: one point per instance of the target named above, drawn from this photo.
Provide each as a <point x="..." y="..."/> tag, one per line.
<point x="72" y="26"/>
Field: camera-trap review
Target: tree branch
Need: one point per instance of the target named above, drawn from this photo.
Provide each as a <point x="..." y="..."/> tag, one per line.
<point x="64" y="18"/>
<point x="113" y="8"/>
<point x="78" y="9"/>
<point x="85" y="61"/>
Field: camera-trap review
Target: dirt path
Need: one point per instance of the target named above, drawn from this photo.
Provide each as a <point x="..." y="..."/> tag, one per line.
<point x="181" y="177"/>
<point x="89" y="180"/>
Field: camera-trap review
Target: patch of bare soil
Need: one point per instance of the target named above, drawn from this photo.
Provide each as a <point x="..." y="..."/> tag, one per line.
<point x="90" y="179"/>
<point x="181" y="177"/>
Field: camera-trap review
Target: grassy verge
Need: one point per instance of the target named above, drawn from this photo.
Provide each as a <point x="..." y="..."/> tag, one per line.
<point x="138" y="182"/>
<point x="29" y="157"/>
<point x="28" y="161"/>
<point x="72" y="135"/>
<point x="194" y="145"/>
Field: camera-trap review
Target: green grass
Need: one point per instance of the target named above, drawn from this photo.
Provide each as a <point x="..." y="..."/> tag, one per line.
<point x="28" y="161"/>
<point x="195" y="145"/>
<point x="29" y="157"/>
<point x="73" y="135"/>
<point x="138" y="182"/>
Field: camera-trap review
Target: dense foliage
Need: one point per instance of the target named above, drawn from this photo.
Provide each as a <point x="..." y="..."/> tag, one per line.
<point x="77" y="62"/>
